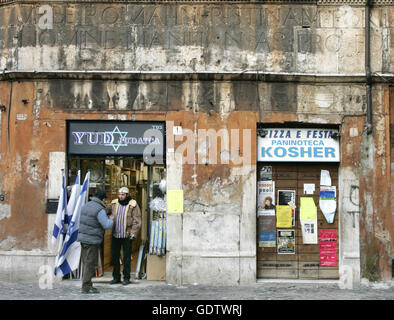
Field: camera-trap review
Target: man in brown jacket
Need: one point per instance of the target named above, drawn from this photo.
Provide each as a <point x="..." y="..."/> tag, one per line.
<point x="127" y="223"/>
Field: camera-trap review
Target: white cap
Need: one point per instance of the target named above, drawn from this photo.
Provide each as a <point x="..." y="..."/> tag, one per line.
<point x="123" y="190"/>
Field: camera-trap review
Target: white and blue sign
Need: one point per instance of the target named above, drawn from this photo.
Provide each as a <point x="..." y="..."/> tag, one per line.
<point x="298" y="145"/>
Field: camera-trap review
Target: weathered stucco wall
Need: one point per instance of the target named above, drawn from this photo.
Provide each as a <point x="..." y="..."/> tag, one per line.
<point x="24" y="162"/>
<point x="215" y="238"/>
<point x="214" y="241"/>
<point x="376" y="239"/>
<point x="193" y="37"/>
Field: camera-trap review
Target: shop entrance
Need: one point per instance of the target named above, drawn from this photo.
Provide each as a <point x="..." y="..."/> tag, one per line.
<point x="282" y="252"/>
<point x="111" y="173"/>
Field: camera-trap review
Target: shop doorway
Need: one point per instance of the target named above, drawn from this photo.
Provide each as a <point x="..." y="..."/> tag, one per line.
<point x="282" y="252"/>
<point x="111" y="173"/>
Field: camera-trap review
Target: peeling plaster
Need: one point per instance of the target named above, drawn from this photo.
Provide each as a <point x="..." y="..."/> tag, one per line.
<point x="368" y="200"/>
<point x="5" y="211"/>
<point x="226" y="100"/>
<point x="117" y="117"/>
<point x="32" y="167"/>
<point x="367" y="151"/>
<point x="18" y="170"/>
<point x="8" y="243"/>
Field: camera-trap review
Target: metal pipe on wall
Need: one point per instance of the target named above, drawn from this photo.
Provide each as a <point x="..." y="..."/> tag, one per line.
<point x="368" y="76"/>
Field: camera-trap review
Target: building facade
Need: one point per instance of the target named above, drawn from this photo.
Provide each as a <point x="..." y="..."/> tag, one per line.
<point x="218" y="77"/>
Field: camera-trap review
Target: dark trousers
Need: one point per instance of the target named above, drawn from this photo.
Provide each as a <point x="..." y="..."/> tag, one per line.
<point x="89" y="257"/>
<point x="117" y="243"/>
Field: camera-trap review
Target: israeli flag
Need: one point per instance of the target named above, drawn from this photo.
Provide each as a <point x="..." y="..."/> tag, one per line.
<point x="75" y="191"/>
<point x="71" y="252"/>
<point x="60" y="213"/>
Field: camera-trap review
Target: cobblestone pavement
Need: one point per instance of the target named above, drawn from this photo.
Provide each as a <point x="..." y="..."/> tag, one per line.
<point x="160" y="290"/>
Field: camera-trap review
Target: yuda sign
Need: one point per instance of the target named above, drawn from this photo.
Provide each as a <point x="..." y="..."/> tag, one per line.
<point x="116" y="138"/>
<point x="301" y="145"/>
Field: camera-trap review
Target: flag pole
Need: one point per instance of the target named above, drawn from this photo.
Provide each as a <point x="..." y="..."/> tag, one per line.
<point x="61" y="213"/>
<point x="87" y="191"/>
<point x="71" y="253"/>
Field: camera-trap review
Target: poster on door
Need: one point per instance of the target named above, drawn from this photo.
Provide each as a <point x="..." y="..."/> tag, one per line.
<point x="287" y="198"/>
<point x="308" y="219"/>
<point x="328" y="247"/>
<point x="266" y="229"/>
<point x="309" y="231"/>
<point x="286" y="241"/>
<point x="327" y="202"/>
<point x="283" y="217"/>
<point x="266" y="197"/>
<point x="266" y="173"/>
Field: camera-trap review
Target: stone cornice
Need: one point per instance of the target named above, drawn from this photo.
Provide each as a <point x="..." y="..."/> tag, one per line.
<point x="317" y="2"/>
<point x="29" y="75"/>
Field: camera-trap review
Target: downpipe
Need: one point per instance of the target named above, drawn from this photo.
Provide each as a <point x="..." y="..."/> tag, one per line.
<point x="368" y="76"/>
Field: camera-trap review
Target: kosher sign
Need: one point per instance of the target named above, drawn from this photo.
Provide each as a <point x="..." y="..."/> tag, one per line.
<point x="302" y="145"/>
<point x="116" y="138"/>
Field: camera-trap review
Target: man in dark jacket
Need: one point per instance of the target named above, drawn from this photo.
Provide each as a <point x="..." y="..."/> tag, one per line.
<point x="92" y="225"/>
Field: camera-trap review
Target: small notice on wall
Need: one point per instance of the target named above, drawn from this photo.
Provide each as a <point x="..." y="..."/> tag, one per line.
<point x="309" y="188"/>
<point x="286" y="241"/>
<point x="175" y="201"/>
<point x="328" y="247"/>
<point x="21" y="116"/>
<point x="325" y="179"/>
